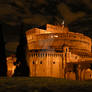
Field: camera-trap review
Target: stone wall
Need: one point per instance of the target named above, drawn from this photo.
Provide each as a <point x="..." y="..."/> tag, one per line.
<point x="73" y="40"/>
<point x="62" y="47"/>
<point x="48" y="64"/>
<point x="39" y="38"/>
<point x="70" y="76"/>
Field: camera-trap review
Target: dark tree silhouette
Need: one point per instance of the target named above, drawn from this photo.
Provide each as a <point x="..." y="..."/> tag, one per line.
<point x="3" y="66"/>
<point x="22" y="68"/>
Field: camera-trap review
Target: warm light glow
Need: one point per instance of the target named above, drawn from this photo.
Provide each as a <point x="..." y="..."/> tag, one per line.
<point x="63" y="53"/>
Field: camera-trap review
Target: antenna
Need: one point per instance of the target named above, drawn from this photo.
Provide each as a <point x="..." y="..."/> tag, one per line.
<point x="63" y="22"/>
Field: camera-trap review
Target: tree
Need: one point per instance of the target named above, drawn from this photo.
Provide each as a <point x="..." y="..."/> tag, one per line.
<point x="3" y="66"/>
<point x="22" y="69"/>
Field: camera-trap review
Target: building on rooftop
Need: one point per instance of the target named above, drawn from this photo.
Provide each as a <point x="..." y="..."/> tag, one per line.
<point x="57" y="52"/>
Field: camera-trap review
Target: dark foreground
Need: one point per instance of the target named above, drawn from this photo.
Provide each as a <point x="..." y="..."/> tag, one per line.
<point x="26" y="84"/>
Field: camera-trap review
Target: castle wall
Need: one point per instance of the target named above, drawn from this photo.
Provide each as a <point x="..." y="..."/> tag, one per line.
<point x="56" y="29"/>
<point x="70" y="76"/>
<point x="39" y="38"/>
<point x="86" y="74"/>
<point x="46" y="64"/>
<point x="75" y="42"/>
<point x="54" y="64"/>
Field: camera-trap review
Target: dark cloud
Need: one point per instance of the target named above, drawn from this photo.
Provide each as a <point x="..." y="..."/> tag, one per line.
<point x="68" y="15"/>
<point x="11" y="46"/>
<point x="82" y="25"/>
<point x="41" y="12"/>
<point x="26" y="9"/>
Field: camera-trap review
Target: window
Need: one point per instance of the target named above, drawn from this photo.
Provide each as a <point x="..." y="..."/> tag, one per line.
<point x="33" y="62"/>
<point x="54" y="62"/>
<point x="40" y="62"/>
<point x="66" y="49"/>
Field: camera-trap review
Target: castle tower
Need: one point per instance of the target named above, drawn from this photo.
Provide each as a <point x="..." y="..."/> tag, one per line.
<point x="55" y="52"/>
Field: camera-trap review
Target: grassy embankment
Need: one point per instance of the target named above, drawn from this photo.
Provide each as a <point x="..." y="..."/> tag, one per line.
<point x="26" y="84"/>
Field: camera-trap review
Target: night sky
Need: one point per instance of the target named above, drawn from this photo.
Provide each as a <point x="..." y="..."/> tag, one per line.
<point x="77" y="15"/>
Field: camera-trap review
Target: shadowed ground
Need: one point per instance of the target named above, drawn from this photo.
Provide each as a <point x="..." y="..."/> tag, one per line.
<point x="26" y="84"/>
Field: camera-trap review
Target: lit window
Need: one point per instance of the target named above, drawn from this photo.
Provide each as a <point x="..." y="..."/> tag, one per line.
<point x="56" y="36"/>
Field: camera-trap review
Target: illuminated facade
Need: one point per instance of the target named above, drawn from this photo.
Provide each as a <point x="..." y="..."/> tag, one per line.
<point x="57" y="52"/>
<point x="10" y="65"/>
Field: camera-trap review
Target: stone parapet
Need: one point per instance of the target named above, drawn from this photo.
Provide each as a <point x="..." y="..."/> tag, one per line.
<point x="46" y="41"/>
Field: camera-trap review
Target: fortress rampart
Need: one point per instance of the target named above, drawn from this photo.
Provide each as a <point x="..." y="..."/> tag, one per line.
<point x="46" y="41"/>
<point x="46" y="64"/>
<point x="56" y="52"/>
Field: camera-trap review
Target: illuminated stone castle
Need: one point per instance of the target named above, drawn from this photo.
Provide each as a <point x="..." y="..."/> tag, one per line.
<point x="57" y="52"/>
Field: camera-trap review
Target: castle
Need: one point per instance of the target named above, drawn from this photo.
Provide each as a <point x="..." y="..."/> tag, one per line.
<point x="57" y="52"/>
